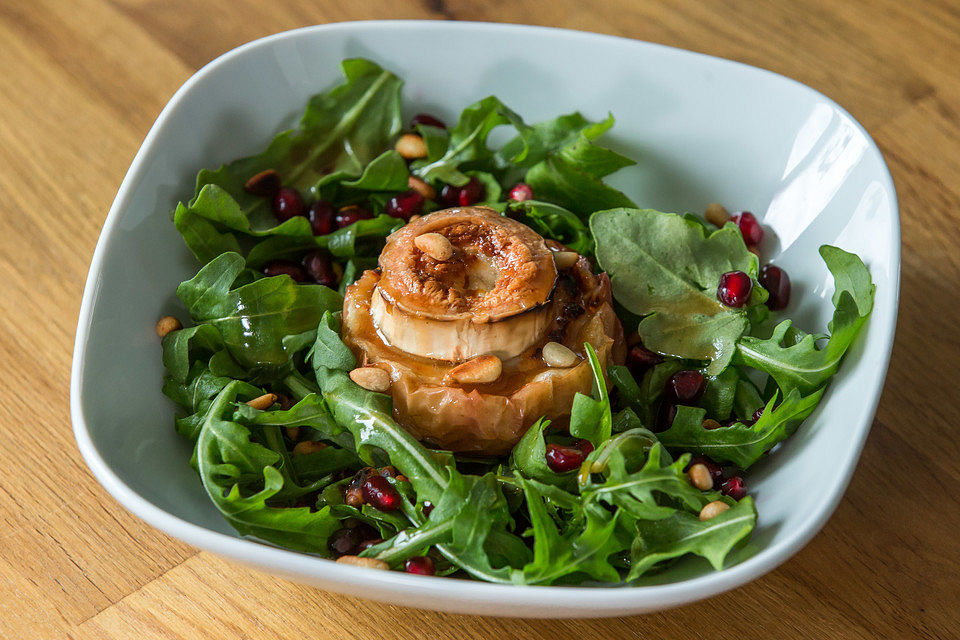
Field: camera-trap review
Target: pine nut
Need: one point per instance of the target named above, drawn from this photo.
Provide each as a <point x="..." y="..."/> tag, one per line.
<point x="369" y="563"/>
<point x="700" y="477"/>
<point x="402" y="478"/>
<point x="716" y="214"/>
<point x="167" y="324"/>
<point x="557" y="355"/>
<point x="422" y="187"/>
<point x="371" y="378"/>
<point x="435" y="245"/>
<point x="713" y="509"/>
<point x="410" y="146"/>
<point x="308" y="446"/>
<point x="710" y="423"/>
<point x="263" y="402"/>
<point x="480" y="370"/>
<point x="565" y="259"/>
<point x="293" y="433"/>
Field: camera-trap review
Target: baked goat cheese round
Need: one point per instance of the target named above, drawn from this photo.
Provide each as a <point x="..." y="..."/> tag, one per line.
<point x="459" y="312"/>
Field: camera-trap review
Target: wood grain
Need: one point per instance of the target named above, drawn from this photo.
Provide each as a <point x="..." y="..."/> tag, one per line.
<point x="83" y="80"/>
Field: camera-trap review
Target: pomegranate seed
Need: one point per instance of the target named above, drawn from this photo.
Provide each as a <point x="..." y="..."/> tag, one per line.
<point x="685" y="387"/>
<point x="521" y="191"/>
<point x="427" y="508"/>
<point x="449" y="196"/>
<point x="344" y="542"/>
<point x="734" y="487"/>
<point x="750" y="229"/>
<point x="561" y="459"/>
<point x="322" y="218"/>
<point x="584" y="445"/>
<point x="639" y="357"/>
<point x="420" y="565"/>
<point x="265" y="184"/>
<point x="757" y="414"/>
<point x="366" y="544"/>
<point x="471" y="193"/>
<point x="735" y="288"/>
<point x="776" y="281"/>
<point x="320" y="269"/>
<point x="665" y="415"/>
<point x="404" y="205"/>
<point x="285" y="267"/>
<point x="716" y="473"/>
<point x="427" y="119"/>
<point x="380" y="494"/>
<point x="287" y="204"/>
<point x="348" y="215"/>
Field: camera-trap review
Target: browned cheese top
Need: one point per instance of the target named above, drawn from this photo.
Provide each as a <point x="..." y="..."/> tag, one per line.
<point x="500" y="267"/>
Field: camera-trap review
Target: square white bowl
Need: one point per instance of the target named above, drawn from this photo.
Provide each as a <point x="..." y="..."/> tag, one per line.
<point x="703" y="130"/>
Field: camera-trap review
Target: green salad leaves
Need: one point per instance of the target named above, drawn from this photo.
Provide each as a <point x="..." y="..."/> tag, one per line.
<point x="285" y="442"/>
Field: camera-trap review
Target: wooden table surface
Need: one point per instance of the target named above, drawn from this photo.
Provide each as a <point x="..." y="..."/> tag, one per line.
<point x="80" y="85"/>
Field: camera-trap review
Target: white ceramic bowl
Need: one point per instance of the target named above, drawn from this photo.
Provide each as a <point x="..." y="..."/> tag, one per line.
<point x="703" y="129"/>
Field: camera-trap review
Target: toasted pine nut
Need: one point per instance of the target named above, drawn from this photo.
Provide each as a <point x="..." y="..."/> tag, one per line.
<point x="480" y="370"/>
<point x="167" y="324"/>
<point x="369" y="563"/>
<point x="710" y="423"/>
<point x="716" y="214"/>
<point x="308" y="446"/>
<point x="371" y="378"/>
<point x="565" y="259"/>
<point x="263" y="402"/>
<point x="353" y="497"/>
<point x="557" y="355"/>
<point x="422" y="187"/>
<point x="700" y="477"/>
<point x="713" y="509"/>
<point x="410" y="146"/>
<point x="402" y="478"/>
<point x="435" y="245"/>
<point x="293" y="433"/>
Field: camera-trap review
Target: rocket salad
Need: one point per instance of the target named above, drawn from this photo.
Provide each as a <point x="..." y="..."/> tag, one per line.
<point x="297" y="449"/>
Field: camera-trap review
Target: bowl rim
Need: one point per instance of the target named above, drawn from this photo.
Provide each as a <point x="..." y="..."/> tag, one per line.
<point x="597" y="601"/>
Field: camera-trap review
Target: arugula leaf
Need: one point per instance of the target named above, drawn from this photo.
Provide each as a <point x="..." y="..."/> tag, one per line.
<point x="667" y="268"/>
<point x="534" y="143"/>
<point x="466" y="143"/>
<point x="226" y="453"/>
<point x="254" y="318"/>
<point x="793" y="359"/>
<point x="739" y="443"/>
<point x="342" y="243"/>
<point x="556" y="555"/>
<point x="553" y="221"/>
<point x="682" y="533"/>
<point x="341" y="131"/>
<point x="529" y="456"/>
<point x="591" y="418"/>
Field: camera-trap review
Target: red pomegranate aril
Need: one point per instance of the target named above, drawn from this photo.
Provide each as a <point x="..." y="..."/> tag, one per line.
<point x="366" y="544"/>
<point x="348" y="215"/>
<point x="716" y="472"/>
<point x="428" y="120"/>
<point x="471" y="193"/>
<point x="427" y="508"/>
<point x="561" y="459"/>
<point x="380" y="494"/>
<point x="322" y="216"/>
<point x="584" y="445"/>
<point x="665" y="415"/>
<point x="641" y="357"/>
<point x="758" y="413"/>
<point x="749" y="227"/>
<point x="320" y="268"/>
<point x="420" y="565"/>
<point x="735" y="289"/>
<point x="734" y="487"/>
<point x="685" y="386"/>
<point x="777" y="283"/>
<point x="287" y="204"/>
<point x="344" y="541"/>
<point x="404" y="205"/>
<point x="449" y="196"/>
<point x="521" y="191"/>
<point x="285" y="267"/>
